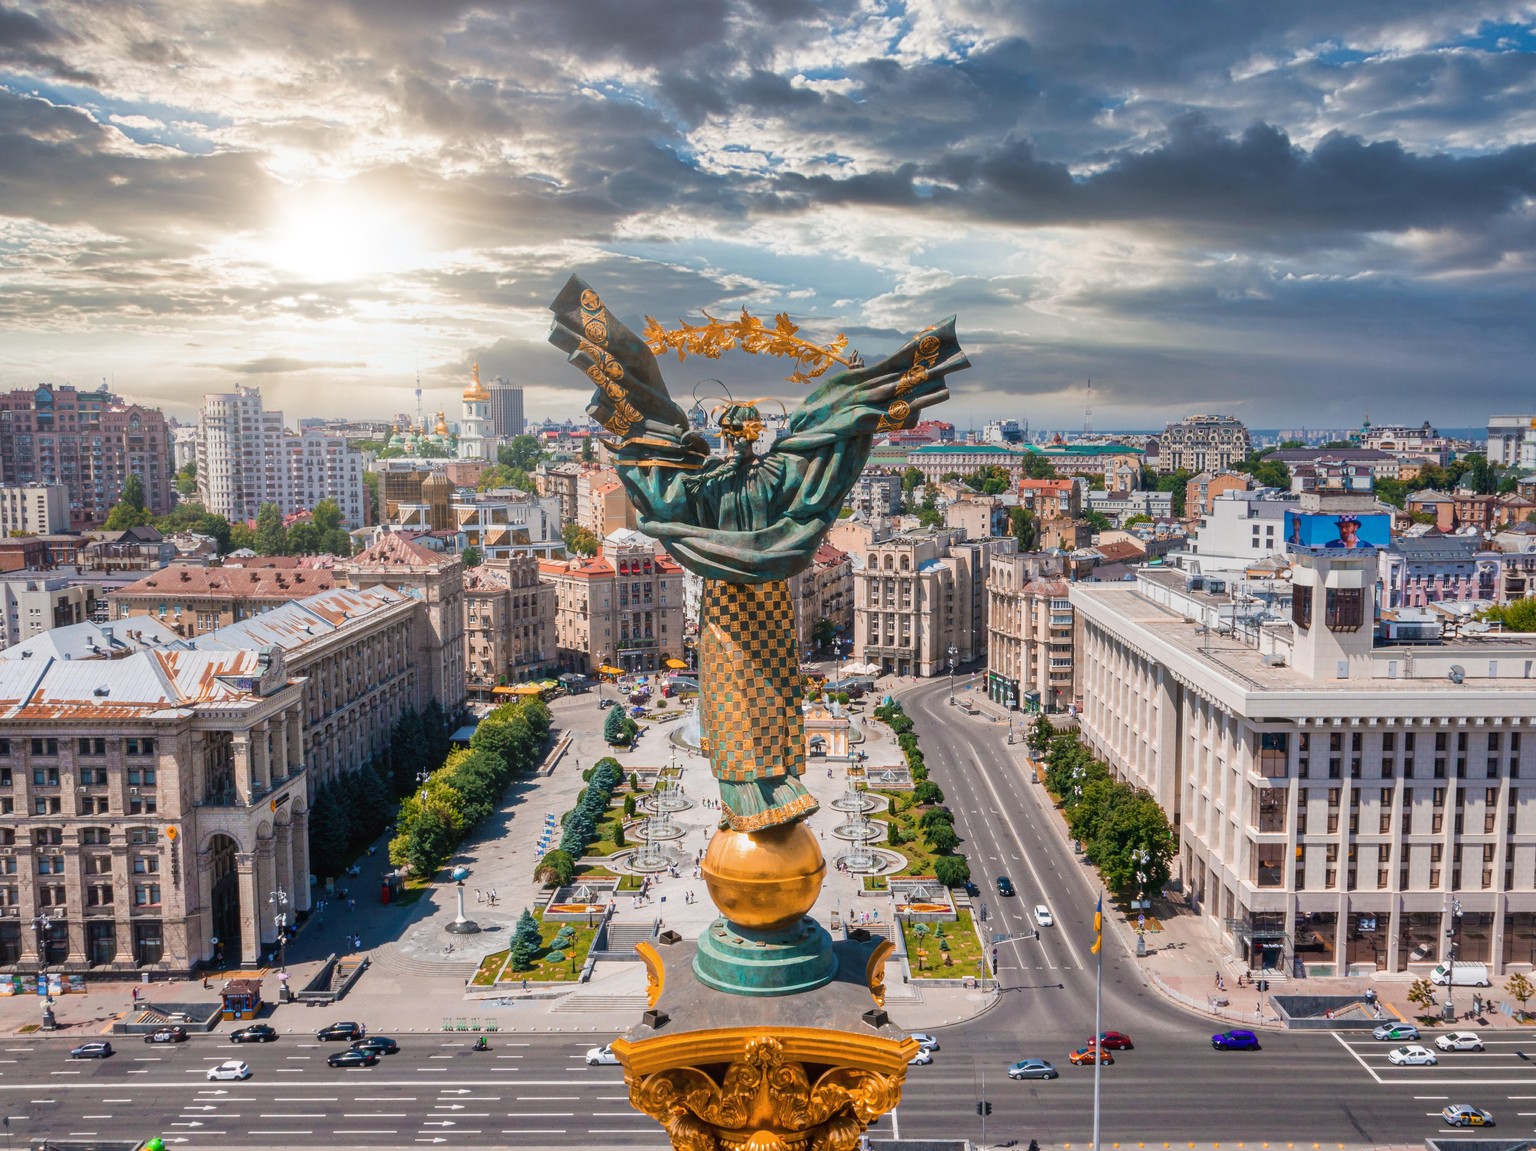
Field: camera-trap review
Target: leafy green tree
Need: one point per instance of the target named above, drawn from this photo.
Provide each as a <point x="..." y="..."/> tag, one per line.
<point x="911" y="480"/>
<point x="1098" y="521"/>
<point x="1023" y="526"/>
<point x="935" y="816"/>
<point x="1422" y="993"/>
<point x="927" y="792"/>
<point x="992" y="480"/>
<point x="1041" y="733"/>
<point x="186" y="480"/>
<point x="1038" y="467"/>
<point x="823" y="632"/>
<point x="1518" y="615"/>
<point x="1136" y="823"/>
<point x="951" y="870"/>
<point x="271" y="537"/>
<point x="1520" y="989"/>
<point x="524" y="453"/>
<point x="191" y="516"/>
<point x="1176" y="483"/>
<point x="579" y="541"/>
<point x="129" y="511"/>
<point x="375" y="506"/>
<point x="303" y="539"/>
<point x="472" y="556"/>
<point x="556" y="869"/>
<point x="942" y="838"/>
<point x="588" y="452"/>
<point x="241" y="538"/>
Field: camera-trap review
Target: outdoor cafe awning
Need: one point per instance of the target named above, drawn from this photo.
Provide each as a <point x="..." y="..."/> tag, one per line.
<point x="676" y="664"/>
<point x="608" y="669"/>
<point x="527" y="689"/>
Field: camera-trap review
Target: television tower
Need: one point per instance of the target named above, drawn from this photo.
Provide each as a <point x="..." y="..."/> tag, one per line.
<point x="1088" y="410"/>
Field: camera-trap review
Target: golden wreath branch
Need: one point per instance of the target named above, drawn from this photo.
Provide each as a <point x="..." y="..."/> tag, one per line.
<point x="749" y="334"/>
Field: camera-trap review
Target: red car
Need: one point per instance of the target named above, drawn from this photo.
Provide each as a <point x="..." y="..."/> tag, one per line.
<point x="1113" y="1041"/>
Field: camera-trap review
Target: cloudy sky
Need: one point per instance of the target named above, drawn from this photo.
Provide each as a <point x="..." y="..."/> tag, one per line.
<point x="1297" y="212"/>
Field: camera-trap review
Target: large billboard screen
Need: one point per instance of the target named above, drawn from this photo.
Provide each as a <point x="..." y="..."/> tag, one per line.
<point x="1350" y="531"/>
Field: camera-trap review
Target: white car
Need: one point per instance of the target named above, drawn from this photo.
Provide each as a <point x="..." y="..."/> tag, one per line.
<point x="1043" y="916"/>
<point x="601" y="1055"/>
<point x="1413" y="1056"/>
<point x="925" y="1041"/>
<point x="923" y="1057"/>
<point x="233" y="1069"/>
<point x="1460" y="1041"/>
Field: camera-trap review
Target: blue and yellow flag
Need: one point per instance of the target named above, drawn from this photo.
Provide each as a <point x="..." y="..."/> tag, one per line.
<point x="1098" y="925"/>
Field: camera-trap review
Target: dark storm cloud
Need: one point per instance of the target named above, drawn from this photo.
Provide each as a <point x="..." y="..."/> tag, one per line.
<point x="277" y="365"/>
<point x="30" y="44"/>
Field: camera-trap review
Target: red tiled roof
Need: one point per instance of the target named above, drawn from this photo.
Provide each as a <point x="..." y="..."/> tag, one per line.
<point x="234" y="582"/>
<point x="395" y="549"/>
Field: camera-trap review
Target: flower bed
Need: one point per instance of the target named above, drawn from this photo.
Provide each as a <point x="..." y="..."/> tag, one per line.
<point x="496" y="968"/>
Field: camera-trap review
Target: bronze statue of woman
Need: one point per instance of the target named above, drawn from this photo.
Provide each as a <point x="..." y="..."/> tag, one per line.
<point x="746" y="523"/>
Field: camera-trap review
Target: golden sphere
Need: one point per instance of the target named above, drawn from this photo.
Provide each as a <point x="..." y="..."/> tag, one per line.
<point x="764" y="880"/>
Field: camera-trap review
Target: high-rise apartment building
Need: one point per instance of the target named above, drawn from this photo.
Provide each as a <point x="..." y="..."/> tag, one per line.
<point x="88" y="441"/>
<point x="33" y="509"/>
<point x="245" y="458"/>
<point x="506" y="409"/>
<point x="1204" y="444"/>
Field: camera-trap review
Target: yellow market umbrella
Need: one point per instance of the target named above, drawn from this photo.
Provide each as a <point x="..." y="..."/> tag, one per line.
<point x="676" y="664"/>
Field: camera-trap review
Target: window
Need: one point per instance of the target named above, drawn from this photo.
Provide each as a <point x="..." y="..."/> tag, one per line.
<point x="146" y="894"/>
<point x="1301" y="606"/>
<point x="51" y="895"/>
<point x="44" y="836"/>
<point x="98" y="895"/>
<point x="91" y="746"/>
<point x="48" y="747"/>
<point x="46" y="805"/>
<point x="93" y="805"/>
<point x="93" y="776"/>
<point x="45" y="777"/>
<point x="5" y="747"/>
<point x="146" y="864"/>
<point x="142" y="805"/>
<point x="1344" y="609"/>
<point x="142" y="836"/>
<point x="95" y="836"/>
<point x="50" y="865"/>
<point x="141" y="777"/>
<point x="139" y="745"/>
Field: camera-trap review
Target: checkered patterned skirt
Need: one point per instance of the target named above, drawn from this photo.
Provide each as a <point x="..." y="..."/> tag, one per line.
<point x="750" y="689"/>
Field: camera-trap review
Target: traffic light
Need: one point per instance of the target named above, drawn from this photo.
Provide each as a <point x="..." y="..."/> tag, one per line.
<point x="983" y="1108"/>
<point x="1263" y="985"/>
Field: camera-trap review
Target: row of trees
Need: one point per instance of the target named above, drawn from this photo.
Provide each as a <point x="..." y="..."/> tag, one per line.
<point x="937" y="824"/>
<point x="442" y="809"/>
<point x="1114" y="822"/>
<point x="321" y="534"/>
<point x="354" y="808"/>
<point x="580" y="823"/>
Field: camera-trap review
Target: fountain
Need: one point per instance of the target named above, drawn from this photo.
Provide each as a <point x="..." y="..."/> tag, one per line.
<point x="654" y="832"/>
<point x="854" y="800"/>
<point x="858" y="831"/>
<point x="667" y="796"/>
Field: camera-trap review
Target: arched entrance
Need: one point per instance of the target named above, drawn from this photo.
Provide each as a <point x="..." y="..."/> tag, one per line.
<point x="225" y="898"/>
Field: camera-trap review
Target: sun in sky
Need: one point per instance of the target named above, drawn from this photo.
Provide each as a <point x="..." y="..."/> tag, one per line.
<point x="333" y="234"/>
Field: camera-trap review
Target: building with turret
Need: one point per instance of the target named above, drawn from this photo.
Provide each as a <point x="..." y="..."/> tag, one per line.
<point x="475" y="425"/>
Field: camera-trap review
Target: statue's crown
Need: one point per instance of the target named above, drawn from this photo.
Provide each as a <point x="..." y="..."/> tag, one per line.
<point x="750" y="335"/>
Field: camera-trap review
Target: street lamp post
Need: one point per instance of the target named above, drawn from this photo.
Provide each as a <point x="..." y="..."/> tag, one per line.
<point x="1139" y="858"/>
<point x="422" y="776"/>
<point x="1453" y="934"/>
<point x="279" y="902"/>
<point x="1012" y="705"/>
<point x="952" y="652"/>
<point x="44" y="923"/>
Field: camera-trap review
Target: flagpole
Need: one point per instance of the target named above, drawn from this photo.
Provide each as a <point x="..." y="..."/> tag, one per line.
<point x="1098" y="1033"/>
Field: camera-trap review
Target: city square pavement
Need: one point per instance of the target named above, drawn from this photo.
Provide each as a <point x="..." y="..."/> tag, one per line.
<point x="418" y="972"/>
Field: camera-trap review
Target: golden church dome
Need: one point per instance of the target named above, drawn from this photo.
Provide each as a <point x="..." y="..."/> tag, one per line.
<point x="476" y="391"/>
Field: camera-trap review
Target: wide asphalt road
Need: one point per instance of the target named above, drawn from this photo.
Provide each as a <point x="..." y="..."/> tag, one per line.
<point x="1173" y="1086"/>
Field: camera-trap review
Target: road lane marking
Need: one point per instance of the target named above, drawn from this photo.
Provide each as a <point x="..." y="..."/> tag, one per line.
<point x="365" y="1131"/>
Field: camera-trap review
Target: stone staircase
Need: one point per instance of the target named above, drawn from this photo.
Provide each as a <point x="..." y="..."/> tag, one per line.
<point x="597" y="1003"/>
<point x="390" y="959"/>
<point x="622" y="938"/>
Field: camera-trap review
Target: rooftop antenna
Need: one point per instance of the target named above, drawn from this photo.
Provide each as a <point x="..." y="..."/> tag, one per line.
<point x="1088" y="410"/>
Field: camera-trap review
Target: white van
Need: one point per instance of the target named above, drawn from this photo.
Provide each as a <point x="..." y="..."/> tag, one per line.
<point x="1467" y="974"/>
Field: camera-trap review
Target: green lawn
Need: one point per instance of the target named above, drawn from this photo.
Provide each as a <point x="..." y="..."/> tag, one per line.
<point x="495" y="966"/>
<point x="913" y="845"/>
<point x="926" y="957"/>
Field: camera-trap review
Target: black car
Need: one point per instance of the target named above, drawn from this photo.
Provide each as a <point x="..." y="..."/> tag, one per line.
<point x="378" y="1044"/>
<point x="352" y="1057"/>
<point x="347" y="1031"/>
<point x="167" y="1035"/>
<point x="1004" y="885"/>
<point x="255" y="1033"/>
